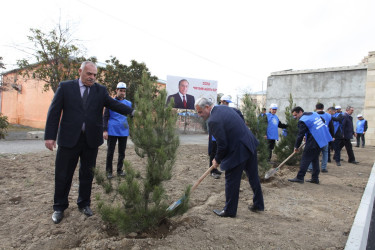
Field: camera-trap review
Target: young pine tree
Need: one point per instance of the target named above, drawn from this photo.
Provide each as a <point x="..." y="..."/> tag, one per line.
<point x="258" y="126"/>
<point x="153" y="131"/>
<point x="3" y="125"/>
<point x="286" y="145"/>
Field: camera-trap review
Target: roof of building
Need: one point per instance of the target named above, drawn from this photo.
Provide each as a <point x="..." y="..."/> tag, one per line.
<point x="161" y="81"/>
<point x="307" y="71"/>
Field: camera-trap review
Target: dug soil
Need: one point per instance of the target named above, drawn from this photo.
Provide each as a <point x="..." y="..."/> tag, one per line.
<point x="297" y="216"/>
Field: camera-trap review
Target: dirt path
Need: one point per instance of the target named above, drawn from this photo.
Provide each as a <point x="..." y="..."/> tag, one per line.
<point x="306" y="216"/>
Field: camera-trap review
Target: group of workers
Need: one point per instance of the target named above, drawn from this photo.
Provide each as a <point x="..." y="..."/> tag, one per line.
<point x="323" y="132"/>
<point x="76" y="123"/>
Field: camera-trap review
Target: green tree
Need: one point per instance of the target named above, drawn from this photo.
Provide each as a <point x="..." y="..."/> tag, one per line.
<point x="153" y="132"/>
<point x="258" y="126"/>
<point x="136" y="71"/>
<point x="116" y="72"/>
<point x="3" y="125"/>
<point x="286" y="145"/>
<point x="55" y="57"/>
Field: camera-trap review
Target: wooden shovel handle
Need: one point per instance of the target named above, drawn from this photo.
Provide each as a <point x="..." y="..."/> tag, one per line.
<point x="290" y="156"/>
<point x="201" y="178"/>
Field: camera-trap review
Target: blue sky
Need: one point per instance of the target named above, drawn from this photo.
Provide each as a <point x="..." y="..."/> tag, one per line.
<point x="236" y="43"/>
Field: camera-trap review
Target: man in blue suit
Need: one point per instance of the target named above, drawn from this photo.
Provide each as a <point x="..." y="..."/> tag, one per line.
<point x="236" y="152"/>
<point x="75" y="118"/>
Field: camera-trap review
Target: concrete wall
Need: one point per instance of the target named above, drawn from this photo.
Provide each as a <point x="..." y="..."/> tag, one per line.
<point x="332" y="86"/>
<point x="369" y="112"/>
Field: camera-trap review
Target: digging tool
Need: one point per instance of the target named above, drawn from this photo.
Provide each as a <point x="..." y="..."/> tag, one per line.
<point x="177" y="203"/>
<point x="273" y="171"/>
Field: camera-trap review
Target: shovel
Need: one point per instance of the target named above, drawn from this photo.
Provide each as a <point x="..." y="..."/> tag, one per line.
<point x="177" y="203"/>
<point x="273" y="171"/>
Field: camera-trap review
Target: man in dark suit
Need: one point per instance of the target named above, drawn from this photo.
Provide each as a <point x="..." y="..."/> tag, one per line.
<point x="181" y="99"/>
<point x="79" y="103"/>
<point x="236" y="152"/>
<point x="348" y="132"/>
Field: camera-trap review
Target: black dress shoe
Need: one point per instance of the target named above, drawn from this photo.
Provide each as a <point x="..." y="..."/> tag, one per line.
<point x="57" y="216"/>
<point x="215" y="175"/>
<point x="122" y="173"/>
<point x="338" y="163"/>
<point x="324" y="170"/>
<point x="86" y="211"/>
<point x="354" y="162"/>
<point x="254" y="209"/>
<point x="296" y="180"/>
<point x="222" y="213"/>
<point x="313" y="181"/>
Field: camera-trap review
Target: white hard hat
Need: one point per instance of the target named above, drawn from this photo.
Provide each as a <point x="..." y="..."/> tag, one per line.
<point x="359" y="115"/>
<point x="226" y="98"/>
<point x="273" y="106"/>
<point x="338" y="107"/>
<point x="121" y="85"/>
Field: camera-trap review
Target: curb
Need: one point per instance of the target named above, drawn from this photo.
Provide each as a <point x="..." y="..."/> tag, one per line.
<point x="35" y="135"/>
<point x="361" y="226"/>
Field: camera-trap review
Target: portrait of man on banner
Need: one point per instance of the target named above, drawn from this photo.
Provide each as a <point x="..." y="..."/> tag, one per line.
<point x="184" y="91"/>
<point x="182" y="100"/>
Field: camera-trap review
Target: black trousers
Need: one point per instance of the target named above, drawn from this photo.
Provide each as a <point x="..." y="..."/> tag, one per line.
<point x="310" y="156"/>
<point x="65" y="165"/>
<point x="233" y="182"/>
<point x="271" y="146"/>
<point x="111" y="143"/>
<point x="337" y="146"/>
<point x="349" y="149"/>
<point x="330" y="148"/>
<point x="359" y="137"/>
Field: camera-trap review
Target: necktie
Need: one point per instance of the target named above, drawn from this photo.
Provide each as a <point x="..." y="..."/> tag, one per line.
<point x="85" y="95"/>
<point x="84" y="99"/>
<point x="184" y="101"/>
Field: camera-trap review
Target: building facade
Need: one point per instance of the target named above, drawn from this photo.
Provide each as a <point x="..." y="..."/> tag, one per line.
<point x="24" y="102"/>
<point x="344" y="86"/>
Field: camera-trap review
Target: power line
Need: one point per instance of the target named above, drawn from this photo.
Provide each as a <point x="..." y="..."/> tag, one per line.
<point x="169" y="42"/>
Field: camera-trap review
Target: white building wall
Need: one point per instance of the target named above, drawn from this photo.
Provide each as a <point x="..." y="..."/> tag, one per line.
<point x="332" y="86"/>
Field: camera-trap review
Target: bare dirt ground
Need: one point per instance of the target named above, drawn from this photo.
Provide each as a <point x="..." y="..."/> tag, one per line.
<point x="297" y="216"/>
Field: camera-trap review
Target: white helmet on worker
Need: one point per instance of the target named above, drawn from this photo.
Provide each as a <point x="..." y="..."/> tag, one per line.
<point x="273" y="106"/>
<point x="121" y="85"/>
<point x="226" y="98"/>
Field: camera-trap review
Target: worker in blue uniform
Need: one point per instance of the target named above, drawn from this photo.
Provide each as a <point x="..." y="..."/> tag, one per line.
<point x="317" y="137"/>
<point x="273" y="123"/>
<point x="116" y="128"/>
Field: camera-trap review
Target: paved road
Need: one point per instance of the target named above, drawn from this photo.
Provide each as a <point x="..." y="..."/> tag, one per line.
<point x="31" y="146"/>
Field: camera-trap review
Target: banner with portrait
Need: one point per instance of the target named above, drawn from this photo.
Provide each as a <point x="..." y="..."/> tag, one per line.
<point x="185" y="90"/>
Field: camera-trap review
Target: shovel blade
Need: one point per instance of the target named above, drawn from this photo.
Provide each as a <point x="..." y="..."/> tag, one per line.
<point x="175" y="204"/>
<point x="271" y="173"/>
